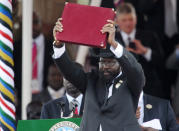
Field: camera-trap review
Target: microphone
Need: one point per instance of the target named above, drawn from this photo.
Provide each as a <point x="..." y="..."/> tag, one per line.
<point x="61" y="104"/>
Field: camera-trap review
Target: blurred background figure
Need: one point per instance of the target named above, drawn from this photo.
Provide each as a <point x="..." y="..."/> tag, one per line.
<point x="162" y="17"/>
<point x="33" y="110"/>
<point x="38" y="47"/>
<point x="55" y="88"/>
<point x="143" y="44"/>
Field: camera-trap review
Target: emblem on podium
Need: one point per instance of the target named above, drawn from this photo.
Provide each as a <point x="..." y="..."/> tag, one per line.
<point x="64" y="126"/>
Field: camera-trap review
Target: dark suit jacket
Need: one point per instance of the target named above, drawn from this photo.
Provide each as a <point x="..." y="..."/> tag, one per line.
<point x="162" y="110"/>
<point x="116" y="114"/>
<point x="151" y="68"/>
<point x="52" y="109"/>
<point x="154" y="12"/>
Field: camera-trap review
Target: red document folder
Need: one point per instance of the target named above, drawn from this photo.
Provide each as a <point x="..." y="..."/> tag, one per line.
<point x="82" y="24"/>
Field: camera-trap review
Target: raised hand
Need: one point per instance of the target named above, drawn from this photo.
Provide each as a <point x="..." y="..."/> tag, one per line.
<point x="110" y="29"/>
<point x="138" y="112"/>
<point x="57" y="28"/>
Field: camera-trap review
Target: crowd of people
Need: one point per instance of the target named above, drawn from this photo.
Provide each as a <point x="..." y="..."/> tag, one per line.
<point x="134" y="80"/>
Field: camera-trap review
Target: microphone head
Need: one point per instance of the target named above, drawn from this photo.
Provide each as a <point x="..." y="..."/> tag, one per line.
<point x="62" y="103"/>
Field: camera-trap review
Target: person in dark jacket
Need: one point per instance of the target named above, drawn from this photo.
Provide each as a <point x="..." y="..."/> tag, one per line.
<point x="112" y="92"/>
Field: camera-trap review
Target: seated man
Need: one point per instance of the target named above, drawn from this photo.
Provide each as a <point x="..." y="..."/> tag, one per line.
<point x="151" y="107"/>
<point x="61" y="107"/>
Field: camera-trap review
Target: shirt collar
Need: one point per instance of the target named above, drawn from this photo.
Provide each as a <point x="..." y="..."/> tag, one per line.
<point x="125" y="36"/>
<point x="52" y="92"/>
<point x="117" y="76"/>
<point x="70" y="98"/>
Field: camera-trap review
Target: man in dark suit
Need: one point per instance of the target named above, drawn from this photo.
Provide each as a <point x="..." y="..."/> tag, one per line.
<point x="61" y="107"/>
<point x="162" y="16"/>
<point x="55" y="88"/>
<point x="156" y="108"/>
<point x="112" y="92"/>
<point x="145" y="46"/>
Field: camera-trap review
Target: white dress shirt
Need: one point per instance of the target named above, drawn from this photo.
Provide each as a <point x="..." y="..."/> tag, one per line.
<point x="125" y="37"/>
<point x="79" y="99"/>
<point x="56" y="94"/>
<point x="141" y="104"/>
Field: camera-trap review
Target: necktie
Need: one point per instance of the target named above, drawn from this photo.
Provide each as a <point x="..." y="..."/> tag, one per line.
<point x="75" y="104"/>
<point x="129" y="40"/>
<point x="170" y="17"/>
<point x="131" y="44"/>
<point x="34" y="61"/>
<point x="76" y="111"/>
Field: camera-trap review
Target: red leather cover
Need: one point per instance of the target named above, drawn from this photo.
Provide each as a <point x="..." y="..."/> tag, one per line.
<point x="82" y="24"/>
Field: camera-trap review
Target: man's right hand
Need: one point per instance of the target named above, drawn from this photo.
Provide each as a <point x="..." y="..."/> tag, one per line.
<point x="138" y="112"/>
<point x="57" y="28"/>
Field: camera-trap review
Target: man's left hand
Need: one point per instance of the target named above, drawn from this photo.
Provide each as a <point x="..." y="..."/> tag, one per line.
<point x="140" y="49"/>
<point x="110" y="29"/>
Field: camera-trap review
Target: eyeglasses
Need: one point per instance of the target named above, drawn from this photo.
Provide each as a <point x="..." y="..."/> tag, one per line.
<point x="106" y="63"/>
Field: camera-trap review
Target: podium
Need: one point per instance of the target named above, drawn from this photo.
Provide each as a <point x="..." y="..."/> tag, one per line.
<point x="70" y="124"/>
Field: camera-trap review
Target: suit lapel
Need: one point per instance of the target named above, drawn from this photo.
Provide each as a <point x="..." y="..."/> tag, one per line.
<point x="82" y="106"/>
<point x="119" y="38"/>
<point x="137" y="34"/>
<point x="148" y="109"/>
<point x="118" y="83"/>
<point x="145" y="110"/>
<point x="47" y="95"/>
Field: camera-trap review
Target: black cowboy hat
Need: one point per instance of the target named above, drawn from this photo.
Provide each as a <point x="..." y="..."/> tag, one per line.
<point x="104" y="53"/>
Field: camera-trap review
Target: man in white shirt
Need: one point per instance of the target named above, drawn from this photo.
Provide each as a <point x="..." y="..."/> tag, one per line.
<point x="143" y="44"/>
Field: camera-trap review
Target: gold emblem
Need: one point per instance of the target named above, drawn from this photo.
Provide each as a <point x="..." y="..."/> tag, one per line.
<point x="149" y="106"/>
<point x="118" y="85"/>
<point x="121" y="81"/>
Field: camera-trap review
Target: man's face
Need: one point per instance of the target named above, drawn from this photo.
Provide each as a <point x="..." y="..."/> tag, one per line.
<point x="71" y="89"/>
<point x="36" y="26"/>
<point x="55" y="78"/>
<point x="109" y="68"/>
<point x="126" y="22"/>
